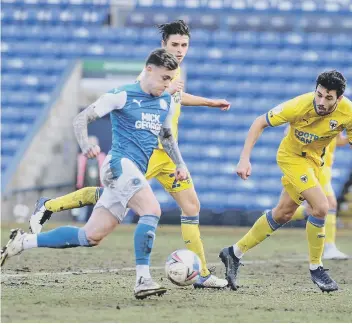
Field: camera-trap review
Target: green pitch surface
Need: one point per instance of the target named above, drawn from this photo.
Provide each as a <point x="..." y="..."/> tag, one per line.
<point x="96" y="284"/>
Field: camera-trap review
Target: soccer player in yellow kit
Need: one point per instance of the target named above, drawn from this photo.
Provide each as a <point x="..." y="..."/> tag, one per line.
<point x="315" y="119"/>
<point x="331" y="252"/>
<point x="175" y="39"/>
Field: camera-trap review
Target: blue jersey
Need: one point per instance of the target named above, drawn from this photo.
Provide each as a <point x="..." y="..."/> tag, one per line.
<point x="136" y="118"/>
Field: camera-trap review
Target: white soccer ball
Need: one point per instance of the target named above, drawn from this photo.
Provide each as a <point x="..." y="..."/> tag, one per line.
<point x="182" y="267"/>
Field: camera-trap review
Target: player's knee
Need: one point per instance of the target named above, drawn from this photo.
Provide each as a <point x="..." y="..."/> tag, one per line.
<point x="93" y="238"/>
<point x="192" y="208"/>
<point x="153" y="210"/>
<point x="321" y="210"/>
<point x="282" y="215"/>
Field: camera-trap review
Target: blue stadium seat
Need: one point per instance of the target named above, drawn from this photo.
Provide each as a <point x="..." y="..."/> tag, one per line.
<point x="238" y="51"/>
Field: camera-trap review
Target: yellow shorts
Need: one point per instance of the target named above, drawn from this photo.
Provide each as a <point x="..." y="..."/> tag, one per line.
<point x="163" y="169"/>
<point x="300" y="174"/>
<point x="325" y="181"/>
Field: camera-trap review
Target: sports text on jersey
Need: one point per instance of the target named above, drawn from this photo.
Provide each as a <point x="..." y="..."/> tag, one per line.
<point x="150" y="122"/>
<point x="306" y="137"/>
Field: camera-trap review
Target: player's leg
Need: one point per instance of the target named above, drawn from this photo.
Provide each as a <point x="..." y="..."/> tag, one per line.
<point x="100" y="224"/>
<point x="316" y="224"/>
<point x="134" y="192"/>
<point x="186" y="197"/>
<point x="105" y="217"/>
<point x="315" y="230"/>
<point x="330" y="249"/>
<point x="262" y="228"/>
<point x="147" y="207"/>
<point x="45" y="207"/>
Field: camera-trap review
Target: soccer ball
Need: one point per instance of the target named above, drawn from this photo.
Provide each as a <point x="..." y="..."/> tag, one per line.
<point x="182" y="267"/>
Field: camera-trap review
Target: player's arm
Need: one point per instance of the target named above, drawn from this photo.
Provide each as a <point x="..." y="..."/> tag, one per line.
<point x="244" y="167"/>
<point x="341" y="140"/>
<point x="281" y="114"/>
<point x="104" y="105"/>
<point x="191" y="100"/>
<point x="171" y="147"/>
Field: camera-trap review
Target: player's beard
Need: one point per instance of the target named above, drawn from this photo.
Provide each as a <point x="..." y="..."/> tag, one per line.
<point x="329" y="111"/>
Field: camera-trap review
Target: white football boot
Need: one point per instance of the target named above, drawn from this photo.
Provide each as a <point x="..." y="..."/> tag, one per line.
<point x="331" y="252"/>
<point x="210" y="281"/>
<point x="14" y="246"/>
<point x="39" y="216"/>
<point x="147" y="287"/>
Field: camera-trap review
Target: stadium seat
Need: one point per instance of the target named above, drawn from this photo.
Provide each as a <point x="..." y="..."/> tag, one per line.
<point x="238" y="52"/>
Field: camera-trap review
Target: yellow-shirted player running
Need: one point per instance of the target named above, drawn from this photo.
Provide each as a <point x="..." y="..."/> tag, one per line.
<point x="315" y="119"/>
<point x="175" y="39"/>
<point x="331" y="252"/>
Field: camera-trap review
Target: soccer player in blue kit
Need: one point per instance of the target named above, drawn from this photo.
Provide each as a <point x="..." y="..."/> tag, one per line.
<point x="140" y="113"/>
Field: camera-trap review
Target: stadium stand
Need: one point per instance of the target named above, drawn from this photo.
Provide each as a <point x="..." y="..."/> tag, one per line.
<point x="236" y="52"/>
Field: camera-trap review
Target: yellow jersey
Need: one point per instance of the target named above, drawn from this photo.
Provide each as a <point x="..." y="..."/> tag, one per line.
<point x="330" y="151"/>
<point x="309" y="133"/>
<point x="177" y="99"/>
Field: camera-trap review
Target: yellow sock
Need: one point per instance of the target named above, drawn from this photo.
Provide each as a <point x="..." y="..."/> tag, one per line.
<point x="262" y="228"/>
<point x="315" y="230"/>
<point x="191" y="237"/>
<point x="299" y="214"/>
<point x="82" y="197"/>
<point x="330" y="227"/>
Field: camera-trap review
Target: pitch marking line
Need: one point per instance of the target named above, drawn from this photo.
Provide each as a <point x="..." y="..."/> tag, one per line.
<point x="5" y="276"/>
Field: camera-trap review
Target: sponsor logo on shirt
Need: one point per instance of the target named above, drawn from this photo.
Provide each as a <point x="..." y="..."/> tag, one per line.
<point x="150" y="122"/>
<point x="306" y="137"/>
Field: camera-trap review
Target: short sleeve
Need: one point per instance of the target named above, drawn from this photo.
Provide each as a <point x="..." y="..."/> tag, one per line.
<point x="286" y="112"/>
<point x="114" y="99"/>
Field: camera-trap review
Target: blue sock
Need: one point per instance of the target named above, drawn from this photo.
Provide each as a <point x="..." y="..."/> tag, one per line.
<point x="144" y="236"/>
<point x="63" y="237"/>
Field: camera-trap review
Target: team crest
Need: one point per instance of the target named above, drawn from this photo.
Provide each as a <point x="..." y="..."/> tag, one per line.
<point x="304" y="178"/>
<point x="163" y="104"/>
<point x="333" y="124"/>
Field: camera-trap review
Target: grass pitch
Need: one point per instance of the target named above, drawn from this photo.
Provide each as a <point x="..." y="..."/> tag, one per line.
<point x="96" y="284"/>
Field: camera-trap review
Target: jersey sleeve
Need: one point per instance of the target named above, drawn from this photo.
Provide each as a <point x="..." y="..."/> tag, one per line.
<point x="168" y="120"/>
<point x="114" y="99"/>
<point x="286" y="112"/>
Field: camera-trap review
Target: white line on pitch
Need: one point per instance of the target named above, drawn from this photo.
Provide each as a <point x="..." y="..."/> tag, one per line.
<point x="5" y="276"/>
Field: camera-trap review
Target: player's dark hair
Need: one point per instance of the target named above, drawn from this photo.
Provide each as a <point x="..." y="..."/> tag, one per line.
<point x="332" y="80"/>
<point x="177" y="27"/>
<point x="161" y="57"/>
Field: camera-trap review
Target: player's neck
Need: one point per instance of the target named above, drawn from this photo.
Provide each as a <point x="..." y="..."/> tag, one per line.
<point x="144" y="86"/>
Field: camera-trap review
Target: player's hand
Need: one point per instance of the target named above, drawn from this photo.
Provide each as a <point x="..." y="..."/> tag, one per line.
<point x="181" y="173"/>
<point x="91" y="151"/>
<point x="223" y="104"/>
<point x="244" y="169"/>
<point x="175" y="86"/>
